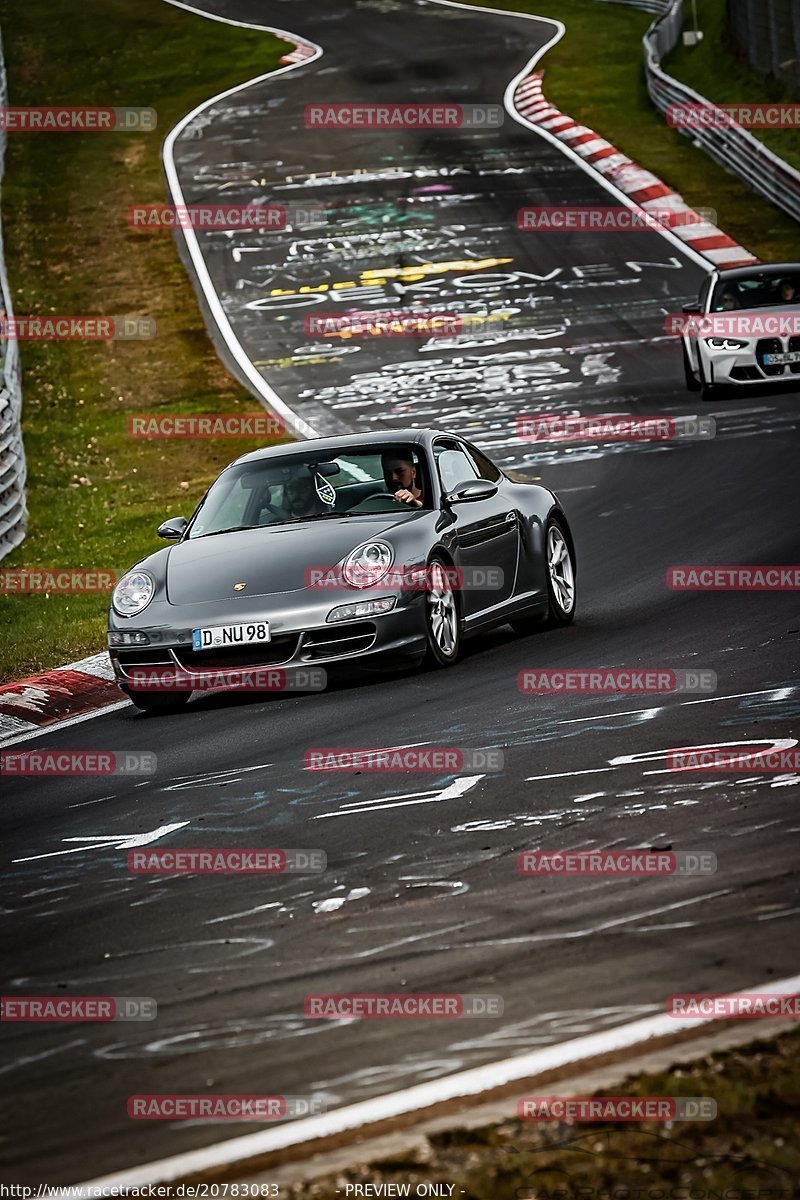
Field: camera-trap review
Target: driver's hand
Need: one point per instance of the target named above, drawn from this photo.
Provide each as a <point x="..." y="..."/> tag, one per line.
<point x="407" y="497"/>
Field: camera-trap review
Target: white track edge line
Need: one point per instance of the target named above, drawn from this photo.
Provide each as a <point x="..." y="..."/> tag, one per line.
<point x="472" y="1082"/>
<point x="263" y="389"/>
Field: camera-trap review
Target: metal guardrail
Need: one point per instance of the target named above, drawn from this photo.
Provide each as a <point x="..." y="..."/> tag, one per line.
<point x="732" y="146"/>
<point x="13" y="509"/>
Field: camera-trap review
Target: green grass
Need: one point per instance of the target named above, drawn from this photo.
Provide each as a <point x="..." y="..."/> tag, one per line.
<point x="717" y="70"/>
<point x="750" y="1150"/>
<point x="95" y="495"/>
<point x="596" y="75"/>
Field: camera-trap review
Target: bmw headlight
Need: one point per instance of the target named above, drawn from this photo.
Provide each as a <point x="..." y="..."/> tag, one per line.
<point x="133" y="593"/>
<point x="367" y="564"/>
<point x="726" y="344"/>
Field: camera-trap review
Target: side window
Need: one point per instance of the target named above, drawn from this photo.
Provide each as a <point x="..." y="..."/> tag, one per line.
<point x="453" y="464"/>
<point x="485" y="468"/>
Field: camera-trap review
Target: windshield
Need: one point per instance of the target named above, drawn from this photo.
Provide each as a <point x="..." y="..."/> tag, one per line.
<point x="282" y="491"/>
<point x="756" y="291"/>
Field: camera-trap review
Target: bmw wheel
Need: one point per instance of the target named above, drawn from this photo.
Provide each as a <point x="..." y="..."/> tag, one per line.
<point x="692" y="383"/>
<point x="442" y="620"/>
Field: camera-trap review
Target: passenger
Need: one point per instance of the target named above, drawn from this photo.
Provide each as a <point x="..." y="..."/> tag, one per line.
<point x="301" y="496"/>
<point x="400" y="475"/>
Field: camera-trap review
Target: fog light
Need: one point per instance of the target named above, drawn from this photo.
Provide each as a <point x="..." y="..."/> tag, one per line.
<point x="134" y="638"/>
<point x="362" y="608"/>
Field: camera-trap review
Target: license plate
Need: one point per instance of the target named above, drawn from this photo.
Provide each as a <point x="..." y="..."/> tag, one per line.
<point x="777" y="360"/>
<point x="230" y="635"/>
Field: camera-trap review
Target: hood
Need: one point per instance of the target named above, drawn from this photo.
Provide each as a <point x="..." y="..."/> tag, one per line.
<point x="268" y="560"/>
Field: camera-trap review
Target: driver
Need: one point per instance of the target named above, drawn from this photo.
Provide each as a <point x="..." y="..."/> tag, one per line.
<point x="788" y="291"/>
<point x="400" y="475"/>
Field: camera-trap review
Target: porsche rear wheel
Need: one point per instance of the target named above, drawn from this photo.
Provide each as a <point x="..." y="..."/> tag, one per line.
<point x="561" y="588"/>
<point x="442" y="619"/>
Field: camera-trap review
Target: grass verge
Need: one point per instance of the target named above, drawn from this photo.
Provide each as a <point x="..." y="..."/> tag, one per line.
<point x="94" y="493"/>
<point x="720" y="72"/>
<point x="750" y="1151"/>
<point x="596" y="75"/>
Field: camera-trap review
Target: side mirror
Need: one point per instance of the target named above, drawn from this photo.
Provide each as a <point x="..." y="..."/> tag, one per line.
<point x="172" y="529"/>
<point x="695" y="308"/>
<point x="472" y="490"/>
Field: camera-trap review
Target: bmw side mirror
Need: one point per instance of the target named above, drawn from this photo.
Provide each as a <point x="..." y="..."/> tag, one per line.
<point x="472" y="490"/>
<point x="172" y="529"/>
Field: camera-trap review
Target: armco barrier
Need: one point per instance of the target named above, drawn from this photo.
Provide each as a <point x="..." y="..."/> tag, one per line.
<point x="13" y="510"/>
<point x="732" y="146"/>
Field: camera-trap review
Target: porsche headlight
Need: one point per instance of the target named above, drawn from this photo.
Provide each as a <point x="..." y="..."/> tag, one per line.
<point x="367" y="564"/>
<point x="726" y="344"/>
<point x="133" y="593"/>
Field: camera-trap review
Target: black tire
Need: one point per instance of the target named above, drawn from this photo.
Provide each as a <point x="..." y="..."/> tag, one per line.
<point x="692" y="383"/>
<point x="442" y="620"/>
<point x="158" y="705"/>
<point x="556" y="613"/>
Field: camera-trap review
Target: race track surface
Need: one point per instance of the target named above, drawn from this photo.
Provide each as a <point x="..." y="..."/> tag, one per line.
<point x="425" y="865"/>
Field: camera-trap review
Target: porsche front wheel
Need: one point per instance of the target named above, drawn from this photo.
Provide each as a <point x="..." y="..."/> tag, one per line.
<point x="442" y="621"/>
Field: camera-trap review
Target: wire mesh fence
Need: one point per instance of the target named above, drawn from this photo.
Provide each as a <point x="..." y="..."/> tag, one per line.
<point x="13" y="509"/>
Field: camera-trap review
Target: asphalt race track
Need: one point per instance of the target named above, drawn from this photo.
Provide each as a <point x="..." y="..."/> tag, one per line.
<point x="422" y="891"/>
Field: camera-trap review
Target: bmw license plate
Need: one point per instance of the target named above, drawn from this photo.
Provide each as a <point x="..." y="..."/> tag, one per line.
<point x="230" y="635"/>
<point x="777" y="360"/>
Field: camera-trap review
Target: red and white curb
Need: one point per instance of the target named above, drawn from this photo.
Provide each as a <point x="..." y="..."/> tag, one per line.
<point x="639" y="185"/>
<point x="64" y="696"/>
